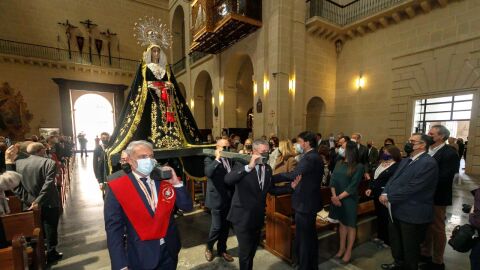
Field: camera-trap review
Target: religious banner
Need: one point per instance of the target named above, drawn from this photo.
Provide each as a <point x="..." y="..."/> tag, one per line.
<point x="80" y="41"/>
<point x="98" y="45"/>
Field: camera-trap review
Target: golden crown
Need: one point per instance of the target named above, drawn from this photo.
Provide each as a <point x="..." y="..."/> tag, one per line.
<point x="150" y="31"/>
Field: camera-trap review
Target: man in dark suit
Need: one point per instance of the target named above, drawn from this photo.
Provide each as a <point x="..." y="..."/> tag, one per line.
<point x="320" y="141"/>
<point x="38" y="188"/>
<point x="448" y="165"/>
<point x="373" y="157"/>
<point x="218" y="199"/>
<point x="306" y="201"/>
<point x="409" y="194"/>
<point x="99" y="159"/>
<point x="362" y="153"/>
<point x="247" y="212"/>
<point x="122" y="169"/>
<point x="140" y="205"/>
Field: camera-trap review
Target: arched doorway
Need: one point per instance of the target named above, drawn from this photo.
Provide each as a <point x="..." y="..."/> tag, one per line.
<point x="92" y="115"/>
<point x="238" y="92"/>
<point x="315" y="108"/>
<point x="202" y="96"/>
<point x="178" y="34"/>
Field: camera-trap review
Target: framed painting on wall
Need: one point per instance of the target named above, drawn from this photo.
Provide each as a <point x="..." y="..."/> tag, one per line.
<point x="45" y="132"/>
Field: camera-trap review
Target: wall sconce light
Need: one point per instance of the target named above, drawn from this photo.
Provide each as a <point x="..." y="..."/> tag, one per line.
<point x="220" y="98"/>
<point x="360" y="82"/>
<point x="254" y="88"/>
<point x="266" y="85"/>
<point x="291" y="85"/>
<point x="192" y="103"/>
<point x="213" y="101"/>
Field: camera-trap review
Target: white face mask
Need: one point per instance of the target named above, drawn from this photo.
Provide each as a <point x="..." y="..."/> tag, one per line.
<point x="298" y="148"/>
<point x="146" y="165"/>
<point x="341" y="152"/>
<point x="353" y="140"/>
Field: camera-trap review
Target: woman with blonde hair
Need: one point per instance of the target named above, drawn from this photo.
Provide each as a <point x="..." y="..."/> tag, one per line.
<point x="285" y="161"/>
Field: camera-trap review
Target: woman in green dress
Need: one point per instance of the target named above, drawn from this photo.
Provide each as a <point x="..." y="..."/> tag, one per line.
<point x="346" y="177"/>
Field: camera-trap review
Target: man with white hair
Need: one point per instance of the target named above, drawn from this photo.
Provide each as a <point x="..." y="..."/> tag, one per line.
<point x="141" y="205"/>
<point x="38" y="188"/>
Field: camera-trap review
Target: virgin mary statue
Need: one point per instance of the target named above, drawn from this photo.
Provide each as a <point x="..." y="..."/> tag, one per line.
<point x="155" y="109"/>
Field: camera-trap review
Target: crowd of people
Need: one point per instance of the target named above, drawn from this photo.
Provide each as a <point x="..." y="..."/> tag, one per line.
<point x="410" y="187"/>
<point x="30" y="170"/>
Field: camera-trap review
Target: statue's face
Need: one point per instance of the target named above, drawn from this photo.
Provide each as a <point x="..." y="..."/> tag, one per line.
<point x="155" y="55"/>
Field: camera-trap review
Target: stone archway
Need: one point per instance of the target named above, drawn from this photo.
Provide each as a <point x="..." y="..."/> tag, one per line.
<point x="202" y="100"/>
<point x="315" y="109"/>
<point x="92" y="114"/>
<point x="178" y="33"/>
<point x="238" y="91"/>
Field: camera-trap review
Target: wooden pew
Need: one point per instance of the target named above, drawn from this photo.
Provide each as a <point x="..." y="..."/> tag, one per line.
<point x="15" y="256"/>
<point x="15" y="204"/>
<point x="27" y="224"/>
<point x="280" y="227"/>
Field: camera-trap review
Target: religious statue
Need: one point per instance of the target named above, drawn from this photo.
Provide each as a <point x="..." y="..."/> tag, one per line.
<point x="155" y="109"/>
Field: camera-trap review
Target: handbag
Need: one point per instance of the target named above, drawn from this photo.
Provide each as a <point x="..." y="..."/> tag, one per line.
<point x="462" y="239"/>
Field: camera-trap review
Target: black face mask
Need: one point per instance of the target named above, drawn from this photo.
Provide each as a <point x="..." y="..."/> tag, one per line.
<point x="248" y="147"/>
<point x="408" y="148"/>
<point x="369" y="145"/>
<point x="265" y="156"/>
<point x="226" y="148"/>
<point x="104" y="142"/>
<point x="126" y="167"/>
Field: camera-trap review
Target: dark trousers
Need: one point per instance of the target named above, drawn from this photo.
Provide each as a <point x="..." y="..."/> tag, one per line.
<point x="248" y="240"/>
<point x="382" y="221"/>
<point x="166" y="260"/>
<point x="218" y="230"/>
<point x="405" y="241"/>
<point x="83" y="149"/>
<point x="50" y="218"/>
<point x="475" y="256"/>
<point x="306" y="241"/>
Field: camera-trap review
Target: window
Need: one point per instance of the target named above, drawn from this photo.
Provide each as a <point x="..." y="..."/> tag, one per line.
<point x="442" y="109"/>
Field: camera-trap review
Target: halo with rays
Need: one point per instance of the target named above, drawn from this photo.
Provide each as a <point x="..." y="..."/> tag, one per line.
<point x="150" y="31"/>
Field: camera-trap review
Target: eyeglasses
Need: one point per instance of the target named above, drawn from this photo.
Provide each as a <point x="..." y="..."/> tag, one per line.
<point x="415" y="142"/>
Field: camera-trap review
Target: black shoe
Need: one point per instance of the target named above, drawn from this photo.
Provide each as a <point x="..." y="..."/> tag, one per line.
<point x="53" y="256"/>
<point x="391" y="266"/>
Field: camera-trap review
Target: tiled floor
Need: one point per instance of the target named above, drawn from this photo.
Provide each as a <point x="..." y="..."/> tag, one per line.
<point x="83" y="241"/>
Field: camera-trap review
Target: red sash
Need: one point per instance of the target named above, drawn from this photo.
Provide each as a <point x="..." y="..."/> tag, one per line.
<point x="146" y="226"/>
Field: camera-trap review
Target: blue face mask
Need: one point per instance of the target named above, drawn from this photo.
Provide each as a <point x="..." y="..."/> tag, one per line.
<point x="298" y="148"/>
<point x="341" y="152"/>
<point x="145" y="165"/>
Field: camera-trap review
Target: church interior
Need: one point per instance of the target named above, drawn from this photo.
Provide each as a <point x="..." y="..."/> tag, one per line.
<point x="240" y="70"/>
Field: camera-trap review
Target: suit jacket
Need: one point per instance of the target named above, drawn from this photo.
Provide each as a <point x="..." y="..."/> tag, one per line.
<point x="99" y="163"/>
<point x="373" y="158"/>
<point x="138" y="254"/>
<point x="410" y="190"/>
<point x="219" y="194"/>
<point x="448" y="165"/>
<point x="377" y="185"/>
<point x="306" y="196"/>
<point x="363" y="155"/>
<point x="248" y="202"/>
<point x="115" y="175"/>
<point x="38" y="183"/>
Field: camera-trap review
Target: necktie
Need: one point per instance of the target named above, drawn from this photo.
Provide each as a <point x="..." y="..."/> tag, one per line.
<point x="144" y="181"/>
<point x="260" y="175"/>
